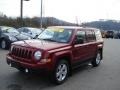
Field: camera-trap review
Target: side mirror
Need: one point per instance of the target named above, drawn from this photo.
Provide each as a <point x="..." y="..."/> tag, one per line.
<point x="79" y="40"/>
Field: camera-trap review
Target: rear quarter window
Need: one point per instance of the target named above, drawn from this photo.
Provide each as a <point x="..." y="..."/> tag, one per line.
<point x="98" y="35"/>
<point x="90" y="35"/>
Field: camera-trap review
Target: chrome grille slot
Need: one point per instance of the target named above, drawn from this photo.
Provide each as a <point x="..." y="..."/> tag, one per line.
<point x="20" y="53"/>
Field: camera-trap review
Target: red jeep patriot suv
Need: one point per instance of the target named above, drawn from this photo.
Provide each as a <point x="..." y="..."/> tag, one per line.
<point x="58" y="49"/>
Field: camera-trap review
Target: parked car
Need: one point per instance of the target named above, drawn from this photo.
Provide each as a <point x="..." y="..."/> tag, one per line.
<point x="103" y="33"/>
<point x="109" y="34"/>
<point x="9" y="35"/>
<point x="117" y="35"/>
<point x="58" y="50"/>
<point x="29" y="31"/>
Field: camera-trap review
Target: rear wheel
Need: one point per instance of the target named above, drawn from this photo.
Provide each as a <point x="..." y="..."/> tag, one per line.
<point x="61" y="72"/>
<point x="96" y="62"/>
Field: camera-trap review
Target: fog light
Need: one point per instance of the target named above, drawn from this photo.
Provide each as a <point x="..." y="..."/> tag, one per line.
<point x="10" y="65"/>
<point x="26" y="70"/>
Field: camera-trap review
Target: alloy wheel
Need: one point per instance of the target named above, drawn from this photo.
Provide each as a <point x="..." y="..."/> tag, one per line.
<point x="61" y="72"/>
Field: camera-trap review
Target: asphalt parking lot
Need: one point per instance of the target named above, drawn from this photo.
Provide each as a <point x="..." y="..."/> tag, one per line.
<point x="104" y="77"/>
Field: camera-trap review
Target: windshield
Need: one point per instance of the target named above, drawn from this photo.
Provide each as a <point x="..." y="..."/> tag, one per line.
<point x="9" y="30"/>
<point x="56" y="35"/>
<point x="35" y="30"/>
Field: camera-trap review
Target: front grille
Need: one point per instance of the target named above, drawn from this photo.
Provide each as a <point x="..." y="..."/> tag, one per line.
<point x="22" y="52"/>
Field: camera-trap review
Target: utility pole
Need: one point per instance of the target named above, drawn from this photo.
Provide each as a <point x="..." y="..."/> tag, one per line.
<point x="41" y="14"/>
<point x="77" y="21"/>
<point x="21" y="11"/>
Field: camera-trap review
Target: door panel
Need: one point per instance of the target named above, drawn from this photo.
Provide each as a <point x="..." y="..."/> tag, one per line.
<point x="91" y="40"/>
<point x="91" y="48"/>
<point x="80" y="48"/>
<point x="80" y="52"/>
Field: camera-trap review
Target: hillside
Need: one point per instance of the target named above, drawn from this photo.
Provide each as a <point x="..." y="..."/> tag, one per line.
<point x="32" y="22"/>
<point x="104" y="24"/>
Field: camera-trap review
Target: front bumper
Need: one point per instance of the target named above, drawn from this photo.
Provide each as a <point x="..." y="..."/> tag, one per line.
<point x="30" y="66"/>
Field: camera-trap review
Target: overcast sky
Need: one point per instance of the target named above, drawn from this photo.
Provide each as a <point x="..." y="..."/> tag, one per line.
<point x="69" y="10"/>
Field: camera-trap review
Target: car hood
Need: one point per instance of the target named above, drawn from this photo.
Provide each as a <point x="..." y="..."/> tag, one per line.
<point x="41" y="44"/>
<point x="17" y="36"/>
<point x="10" y="34"/>
<point x="22" y="37"/>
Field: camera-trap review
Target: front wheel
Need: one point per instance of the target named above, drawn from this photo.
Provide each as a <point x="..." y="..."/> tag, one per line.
<point x="61" y="72"/>
<point x="96" y="62"/>
<point x="3" y="44"/>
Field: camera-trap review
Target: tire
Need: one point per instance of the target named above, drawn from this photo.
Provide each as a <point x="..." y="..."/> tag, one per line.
<point x="96" y="62"/>
<point x="3" y="44"/>
<point x="61" y="72"/>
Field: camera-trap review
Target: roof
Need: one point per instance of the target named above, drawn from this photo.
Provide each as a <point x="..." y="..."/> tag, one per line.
<point x="31" y="28"/>
<point x="74" y="27"/>
<point x="6" y="26"/>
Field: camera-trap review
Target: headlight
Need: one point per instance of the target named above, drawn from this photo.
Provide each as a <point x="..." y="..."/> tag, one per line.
<point x="37" y="55"/>
<point x="12" y="38"/>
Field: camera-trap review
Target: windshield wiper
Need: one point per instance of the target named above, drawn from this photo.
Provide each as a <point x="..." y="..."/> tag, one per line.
<point x="49" y="40"/>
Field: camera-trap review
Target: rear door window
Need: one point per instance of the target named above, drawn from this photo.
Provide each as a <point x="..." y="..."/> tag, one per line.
<point x="80" y="37"/>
